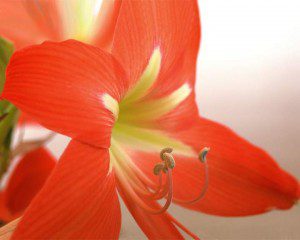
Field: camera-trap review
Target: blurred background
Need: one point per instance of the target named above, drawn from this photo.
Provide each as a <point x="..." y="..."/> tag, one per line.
<point x="249" y="79"/>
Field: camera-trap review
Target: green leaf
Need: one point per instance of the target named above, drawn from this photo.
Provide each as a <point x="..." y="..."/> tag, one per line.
<point x="6" y="50"/>
<point x="8" y="112"/>
<point x="7" y="124"/>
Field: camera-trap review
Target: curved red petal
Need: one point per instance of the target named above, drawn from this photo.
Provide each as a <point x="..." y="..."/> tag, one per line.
<point x="173" y="26"/>
<point x="79" y="200"/>
<point x="154" y="226"/>
<point x="244" y="179"/>
<point x="62" y="86"/>
<point x="27" y="179"/>
<point x="29" y="22"/>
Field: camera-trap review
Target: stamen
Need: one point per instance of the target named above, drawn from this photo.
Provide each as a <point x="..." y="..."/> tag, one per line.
<point x="167" y="158"/>
<point x="135" y="187"/>
<point x="158" y="168"/>
<point x="202" y="158"/>
<point x="165" y="150"/>
<point x="170" y="194"/>
<point x="169" y="161"/>
<point x="166" y="166"/>
<point x="203" y="153"/>
<point x="138" y="189"/>
<point x="160" y="191"/>
<point x="137" y="179"/>
<point x="141" y="202"/>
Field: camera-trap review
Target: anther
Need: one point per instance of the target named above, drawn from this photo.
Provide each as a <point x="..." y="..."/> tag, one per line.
<point x="165" y="150"/>
<point x="203" y="153"/>
<point x="166" y="190"/>
<point x="168" y="159"/>
<point x="158" y="168"/>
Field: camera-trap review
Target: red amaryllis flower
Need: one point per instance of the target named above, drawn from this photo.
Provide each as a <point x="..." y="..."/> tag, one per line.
<point x="29" y="22"/>
<point x="125" y="110"/>
<point x="24" y="183"/>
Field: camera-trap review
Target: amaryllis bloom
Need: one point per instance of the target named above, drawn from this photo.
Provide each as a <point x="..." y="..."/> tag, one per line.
<point x="136" y="131"/>
<point x="28" y="22"/>
<point x="25" y="181"/>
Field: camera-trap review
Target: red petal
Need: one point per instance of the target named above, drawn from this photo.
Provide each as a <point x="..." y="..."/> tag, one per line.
<point x="26" y="180"/>
<point x="243" y="179"/>
<point x="24" y="119"/>
<point x="181" y="117"/>
<point x="79" y="200"/>
<point x="5" y="215"/>
<point x="29" y="22"/>
<point x="109" y="13"/>
<point x="61" y="85"/>
<point x="154" y="226"/>
<point x="173" y="26"/>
